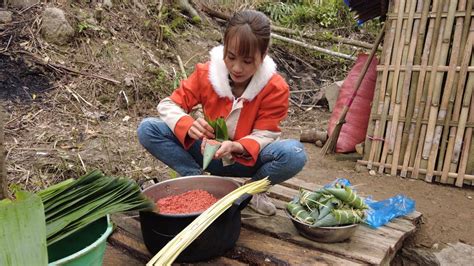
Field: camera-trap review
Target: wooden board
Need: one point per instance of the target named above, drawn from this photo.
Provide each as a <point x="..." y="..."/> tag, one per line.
<point x="275" y="241"/>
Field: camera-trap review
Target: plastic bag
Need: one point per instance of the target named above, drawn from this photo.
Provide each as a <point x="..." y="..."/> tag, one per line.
<point x="381" y="212"/>
<point x="355" y="129"/>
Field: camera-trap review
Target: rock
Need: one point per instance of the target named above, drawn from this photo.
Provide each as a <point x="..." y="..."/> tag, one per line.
<point x="107" y="3"/>
<point x="372" y="173"/>
<point x="418" y="256"/>
<point x="319" y="143"/>
<point x="55" y="28"/>
<point x="5" y="16"/>
<point x="360" y="148"/>
<point x="456" y="254"/>
<point x="359" y="168"/>
<point x="332" y="92"/>
<point x="22" y="3"/>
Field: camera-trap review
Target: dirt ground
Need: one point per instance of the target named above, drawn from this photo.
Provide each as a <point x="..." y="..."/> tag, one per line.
<point x="81" y="123"/>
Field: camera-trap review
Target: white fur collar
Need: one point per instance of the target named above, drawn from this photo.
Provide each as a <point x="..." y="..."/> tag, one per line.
<point x="219" y="75"/>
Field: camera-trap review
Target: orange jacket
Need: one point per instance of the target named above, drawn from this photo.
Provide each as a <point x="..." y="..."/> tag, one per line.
<point x="252" y="119"/>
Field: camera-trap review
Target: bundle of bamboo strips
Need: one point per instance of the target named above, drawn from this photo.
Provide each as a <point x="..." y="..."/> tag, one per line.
<point x="423" y="113"/>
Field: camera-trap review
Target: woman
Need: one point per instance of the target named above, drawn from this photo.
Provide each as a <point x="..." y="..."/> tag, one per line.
<point x="239" y="83"/>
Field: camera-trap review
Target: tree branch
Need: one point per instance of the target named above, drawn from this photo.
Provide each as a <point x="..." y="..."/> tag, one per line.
<point x="3" y="176"/>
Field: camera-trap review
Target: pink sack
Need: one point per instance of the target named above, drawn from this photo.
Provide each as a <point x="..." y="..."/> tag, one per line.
<point x="357" y="118"/>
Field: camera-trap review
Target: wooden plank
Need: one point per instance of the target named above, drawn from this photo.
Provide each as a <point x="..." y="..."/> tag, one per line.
<point x="366" y="245"/>
<point x="257" y="249"/>
<point x="128" y="238"/>
<point x="117" y="257"/>
<point x="297" y="183"/>
<point x="423" y="171"/>
<point x="221" y="261"/>
<point x="282" y="194"/>
<point x="126" y="241"/>
<point x="408" y="223"/>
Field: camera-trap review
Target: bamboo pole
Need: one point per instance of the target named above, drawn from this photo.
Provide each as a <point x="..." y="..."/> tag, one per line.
<point x="429" y="15"/>
<point x="392" y="82"/>
<point x="3" y="176"/>
<point x="422" y="154"/>
<point x="403" y="87"/>
<point x="438" y="122"/>
<point x="452" y="97"/>
<point x="421" y="171"/>
<point x="414" y="100"/>
<point x="431" y="144"/>
<point x="379" y="126"/>
<point x="375" y="100"/>
<point x="458" y="142"/>
<point x="309" y="46"/>
<point x="429" y="53"/>
<point x="417" y="68"/>
<point x="468" y="135"/>
<point x="455" y="134"/>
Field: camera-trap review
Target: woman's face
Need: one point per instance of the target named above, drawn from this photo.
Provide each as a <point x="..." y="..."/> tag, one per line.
<point x="241" y="68"/>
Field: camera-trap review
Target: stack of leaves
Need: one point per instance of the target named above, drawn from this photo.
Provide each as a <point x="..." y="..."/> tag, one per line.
<point x="331" y="206"/>
<point x="211" y="147"/>
<point x="73" y="204"/>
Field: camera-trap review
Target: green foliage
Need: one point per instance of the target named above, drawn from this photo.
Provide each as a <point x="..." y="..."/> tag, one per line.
<point x="278" y="11"/>
<point x="220" y="128"/>
<point x="325" y="13"/>
<point x="82" y="26"/>
<point x="161" y="81"/>
<point x="173" y="174"/>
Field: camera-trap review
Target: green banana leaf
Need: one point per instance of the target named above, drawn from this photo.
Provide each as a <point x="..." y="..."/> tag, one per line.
<point x="221" y="133"/>
<point x="73" y="205"/>
<point x="23" y="231"/>
<point x="210" y="150"/>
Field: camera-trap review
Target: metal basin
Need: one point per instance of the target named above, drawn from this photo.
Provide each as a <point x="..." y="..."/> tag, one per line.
<point x="158" y="229"/>
<point x="324" y="234"/>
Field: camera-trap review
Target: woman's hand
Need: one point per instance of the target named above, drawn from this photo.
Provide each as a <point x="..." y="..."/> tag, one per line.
<point x="201" y="129"/>
<point x="227" y="148"/>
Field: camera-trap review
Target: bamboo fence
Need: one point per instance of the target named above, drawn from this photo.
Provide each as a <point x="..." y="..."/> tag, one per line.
<point x="422" y="116"/>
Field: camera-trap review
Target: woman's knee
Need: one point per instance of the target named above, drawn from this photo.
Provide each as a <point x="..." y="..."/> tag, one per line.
<point x="292" y="154"/>
<point x="297" y="155"/>
<point x="150" y="128"/>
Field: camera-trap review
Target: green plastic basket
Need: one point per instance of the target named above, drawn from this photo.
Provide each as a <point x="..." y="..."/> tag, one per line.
<point x="85" y="247"/>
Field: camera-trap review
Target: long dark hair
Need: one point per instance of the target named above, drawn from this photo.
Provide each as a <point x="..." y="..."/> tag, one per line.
<point x="252" y="30"/>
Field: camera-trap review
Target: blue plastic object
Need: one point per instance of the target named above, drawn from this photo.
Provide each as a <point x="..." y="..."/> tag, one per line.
<point x="381" y="212"/>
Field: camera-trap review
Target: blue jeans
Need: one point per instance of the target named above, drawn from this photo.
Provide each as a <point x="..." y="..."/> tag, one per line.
<point x="279" y="160"/>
